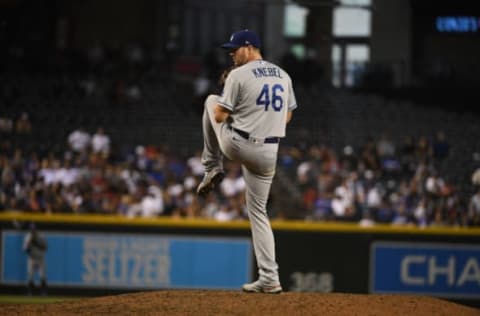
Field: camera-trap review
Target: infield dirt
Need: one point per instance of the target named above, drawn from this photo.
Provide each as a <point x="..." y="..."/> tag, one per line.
<point x="208" y="302"/>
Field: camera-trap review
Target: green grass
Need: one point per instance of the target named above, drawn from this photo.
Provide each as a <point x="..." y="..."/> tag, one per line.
<point x="19" y="299"/>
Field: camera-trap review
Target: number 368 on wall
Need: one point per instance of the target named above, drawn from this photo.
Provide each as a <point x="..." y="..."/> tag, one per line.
<point x="311" y="282"/>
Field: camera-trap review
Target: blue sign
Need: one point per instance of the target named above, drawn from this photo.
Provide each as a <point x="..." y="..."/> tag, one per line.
<point x="457" y="24"/>
<point x="447" y="270"/>
<point x="132" y="261"/>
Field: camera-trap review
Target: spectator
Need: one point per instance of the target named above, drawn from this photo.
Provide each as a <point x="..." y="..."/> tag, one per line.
<point x="476" y="177"/>
<point x="211" y="206"/>
<point x="369" y="156"/>
<point x="101" y="142"/>
<point x="23" y="125"/>
<point x="195" y="164"/>
<point x="343" y="201"/>
<point x="421" y="213"/>
<point x="152" y="203"/>
<point x="424" y="149"/>
<point x="322" y="208"/>
<point x="201" y="89"/>
<point x="440" y="146"/>
<point x="474" y="209"/>
<point x="434" y="189"/>
<point x="142" y="161"/>
<point x="232" y="184"/>
<point x="35" y="202"/>
<point x="47" y="173"/>
<point x="348" y="160"/>
<point x="385" y="146"/>
<point x="6" y="124"/>
<point x="374" y="198"/>
<point x="79" y="140"/>
<point x="66" y="174"/>
<point x="407" y="157"/>
<point x="223" y="214"/>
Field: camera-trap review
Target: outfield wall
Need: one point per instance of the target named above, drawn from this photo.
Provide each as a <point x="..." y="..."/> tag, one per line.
<point x="107" y="254"/>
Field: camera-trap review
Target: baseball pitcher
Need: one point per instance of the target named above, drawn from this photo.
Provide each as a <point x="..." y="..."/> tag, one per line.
<point x="246" y="124"/>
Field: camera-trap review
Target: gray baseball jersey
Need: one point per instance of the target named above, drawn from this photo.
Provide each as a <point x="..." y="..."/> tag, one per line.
<point x="259" y="94"/>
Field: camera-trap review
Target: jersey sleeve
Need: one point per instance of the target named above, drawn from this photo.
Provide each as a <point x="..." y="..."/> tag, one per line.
<point x="292" y="101"/>
<point x="230" y="93"/>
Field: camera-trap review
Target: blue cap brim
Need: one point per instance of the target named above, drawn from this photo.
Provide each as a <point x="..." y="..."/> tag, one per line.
<point x="229" y="46"/>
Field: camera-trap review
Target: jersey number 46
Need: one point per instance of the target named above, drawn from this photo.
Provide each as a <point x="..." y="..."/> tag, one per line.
<point x="276" y="100"/>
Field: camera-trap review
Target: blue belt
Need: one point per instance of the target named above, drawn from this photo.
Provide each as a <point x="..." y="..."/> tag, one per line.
<point x="268" y="140"/>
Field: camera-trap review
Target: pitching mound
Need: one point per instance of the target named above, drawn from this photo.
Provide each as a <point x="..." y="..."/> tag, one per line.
<point x="198" y="302"/>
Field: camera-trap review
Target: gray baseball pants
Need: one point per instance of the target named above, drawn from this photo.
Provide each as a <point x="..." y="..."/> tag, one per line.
<point x="35" y="264"/>
<point x="258" y="167"/>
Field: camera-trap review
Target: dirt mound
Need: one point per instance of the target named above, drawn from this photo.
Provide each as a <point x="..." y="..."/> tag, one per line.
<point x="203" y="302"/>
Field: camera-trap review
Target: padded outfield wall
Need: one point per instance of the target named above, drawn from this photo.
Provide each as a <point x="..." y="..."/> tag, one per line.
<point x="92" y="255"/>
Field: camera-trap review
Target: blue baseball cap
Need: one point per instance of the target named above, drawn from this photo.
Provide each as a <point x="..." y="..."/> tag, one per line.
<point x="242" y="38"/>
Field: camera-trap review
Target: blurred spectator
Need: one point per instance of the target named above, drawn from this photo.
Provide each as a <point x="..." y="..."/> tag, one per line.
<point x="35" y="202"/>
<point x="374" y="198"/>
<point x="421" y="213"/>
<point x="233" y="184"/>
<point x="67" y="174"/>
<point x="23" y="125"/>
<point x="142" y="161"/>
<point x="230" y="211"/>
<point x="407" y="156"/>
<point x="305" y="172"/>
<point x="322" y="208"/>
<point x="434" y="187"/>
<point x="474" y="209"/>
<point x="476" y="177"/>
<point x="211" y="206"/>
<point x="6" y="124"/>
<point x="46" y="172"/>
<point x="385" y="146"/>
<point x="343" y="201"/>
<point x="150" y="205"/>
<point x="201" y="89"/>
<point x="424" y="150"/>
<point x="348" y="160"/>
<point x="195" y="164"/>
<point x="101" y="142"/>
<point x="224" y="214"/>
<point x="369" y="156"/>
<point x="79" y="140"/>
<point x="201" y="86"/>
<point x="440" y="146"/>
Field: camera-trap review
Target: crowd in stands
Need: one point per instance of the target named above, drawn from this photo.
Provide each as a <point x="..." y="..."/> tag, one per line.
<point x="88" y="178"/>
<point x="377" y="182"/>
<point x="382" y="182"/>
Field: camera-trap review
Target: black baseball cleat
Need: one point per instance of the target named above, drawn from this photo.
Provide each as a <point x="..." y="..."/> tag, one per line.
<point x="258" y="287"/>
<point x="211" y="179"/>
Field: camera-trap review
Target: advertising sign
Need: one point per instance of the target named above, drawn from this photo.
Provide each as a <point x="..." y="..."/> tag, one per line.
<point x="438" y="269"/>
<point x="120" y="260"/>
